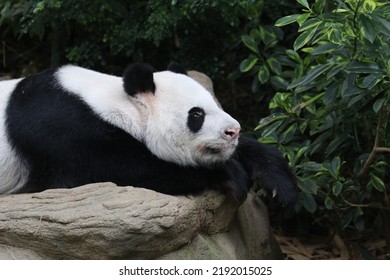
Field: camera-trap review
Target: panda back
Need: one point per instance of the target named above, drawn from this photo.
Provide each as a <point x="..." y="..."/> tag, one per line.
<point x="61" y="138"/>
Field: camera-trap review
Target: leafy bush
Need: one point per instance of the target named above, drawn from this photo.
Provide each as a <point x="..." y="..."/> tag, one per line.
<point x="110" y="34"/>
<point x="330" y="114"/>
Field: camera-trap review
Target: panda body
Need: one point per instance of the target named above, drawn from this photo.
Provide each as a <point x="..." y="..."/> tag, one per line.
<point x="159" y="130"/>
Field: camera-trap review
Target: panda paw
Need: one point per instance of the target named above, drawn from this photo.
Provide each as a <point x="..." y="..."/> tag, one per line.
<point x="267" y="168"/>
<point x="235" y="182"/>
<point x="277" y="183"/>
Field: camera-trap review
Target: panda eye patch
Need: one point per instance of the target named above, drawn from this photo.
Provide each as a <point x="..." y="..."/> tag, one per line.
<point x="195" y="119"/>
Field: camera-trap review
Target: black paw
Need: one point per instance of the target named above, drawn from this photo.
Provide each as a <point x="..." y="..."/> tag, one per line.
<point x="268" y="169"/>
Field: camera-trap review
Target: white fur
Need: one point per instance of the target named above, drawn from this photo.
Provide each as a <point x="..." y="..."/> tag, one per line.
<point x="159" y="120"/>
<point x="105" y="95"/>
<point x="13" y="171"/>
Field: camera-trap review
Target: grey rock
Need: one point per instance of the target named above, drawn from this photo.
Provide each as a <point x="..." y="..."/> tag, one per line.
<point x="104" y="221"/>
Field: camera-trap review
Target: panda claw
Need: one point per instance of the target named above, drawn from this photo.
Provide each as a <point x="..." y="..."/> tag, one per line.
<point x="274" y="193"/>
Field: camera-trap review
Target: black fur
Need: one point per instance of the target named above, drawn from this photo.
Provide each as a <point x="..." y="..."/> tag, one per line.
<point x="139" y="78"/>
<point x="195" y="119"/>
<point x="66" y="144"/>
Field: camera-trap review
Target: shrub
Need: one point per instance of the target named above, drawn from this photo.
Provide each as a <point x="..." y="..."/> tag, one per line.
<point x="330" y="113"/>
<point x="110" y="34"/>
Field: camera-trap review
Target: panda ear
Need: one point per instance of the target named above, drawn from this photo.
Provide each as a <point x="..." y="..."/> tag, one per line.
<point x="138" y="78"/>
<point x="177" y="68"/>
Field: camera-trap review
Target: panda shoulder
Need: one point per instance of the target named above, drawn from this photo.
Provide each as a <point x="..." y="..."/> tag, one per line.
<point x="82" y="80"/>
<point x="75" y="73"/>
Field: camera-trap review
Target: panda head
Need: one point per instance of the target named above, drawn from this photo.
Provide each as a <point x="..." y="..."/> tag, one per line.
<point x="181" y="121"/>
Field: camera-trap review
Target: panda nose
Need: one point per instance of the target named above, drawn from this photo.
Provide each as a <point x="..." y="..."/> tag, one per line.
<point x="231" y="133"/>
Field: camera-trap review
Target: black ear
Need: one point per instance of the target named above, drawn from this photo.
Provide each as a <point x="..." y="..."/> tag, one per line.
<point x="176" y="68"/>
<point x="138" y="78"/>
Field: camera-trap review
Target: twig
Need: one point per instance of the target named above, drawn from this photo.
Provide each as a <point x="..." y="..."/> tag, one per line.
<point x="376" y="147"/>
<point x="382" y="149"/>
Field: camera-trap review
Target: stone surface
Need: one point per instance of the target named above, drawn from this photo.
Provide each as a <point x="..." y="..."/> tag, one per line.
<point x="103" y="221"/>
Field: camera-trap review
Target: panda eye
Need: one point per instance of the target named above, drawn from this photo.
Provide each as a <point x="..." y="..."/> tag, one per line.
<point x="195" y="119"/>
<point x="196" y="112"/>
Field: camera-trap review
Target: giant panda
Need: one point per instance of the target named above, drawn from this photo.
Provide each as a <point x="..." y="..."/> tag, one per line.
<point x="158" y="130"/>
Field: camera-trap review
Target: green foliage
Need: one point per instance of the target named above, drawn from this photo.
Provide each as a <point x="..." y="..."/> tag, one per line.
<point x="111" y="34"/>
<point x="330" y="115"/>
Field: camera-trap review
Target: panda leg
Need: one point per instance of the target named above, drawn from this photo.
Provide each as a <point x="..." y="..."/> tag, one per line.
<point x="237" y="182"/>
<point x="266" y="166"/>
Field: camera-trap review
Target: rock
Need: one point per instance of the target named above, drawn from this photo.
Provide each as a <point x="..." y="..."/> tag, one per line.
<point x="248" y="237"/>
<point x="205" y="81"/>
<point x="103" y="221"/>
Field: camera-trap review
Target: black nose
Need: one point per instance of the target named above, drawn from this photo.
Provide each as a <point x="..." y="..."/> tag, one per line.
<point x="231" y="133"/>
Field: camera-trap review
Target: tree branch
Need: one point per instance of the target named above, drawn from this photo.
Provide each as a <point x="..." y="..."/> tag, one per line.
<point x="376" y="147"/>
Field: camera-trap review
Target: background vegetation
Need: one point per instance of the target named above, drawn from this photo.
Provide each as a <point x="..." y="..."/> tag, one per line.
<point x="312" y="77"/>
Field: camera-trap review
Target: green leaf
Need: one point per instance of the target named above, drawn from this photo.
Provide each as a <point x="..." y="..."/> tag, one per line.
<point x="381" y="25"/>
<point x="304" y="38"/>
<point x="335" y="36"/>
<point x="311" y="166"/>
<point x="368" y="28"/>
<point x="319" y="6"/>
<point x="301" y="152"/>
<point x="334" y="71"/>
<point x="248" y="63"/>
<point x="281" y="100"/>
<point x="337" y="188"/>
<point x="269" y="39"/>
<point x="325" y="48"/>
<point x="269" y="130"/>
<point x="309" y="203"/>
<point x="302" y="18"/>
<point x="307" y="185"/>
<point x="364" y="67"/>
<point x="270" y="119"/>
<point x="331" y="94"/>
<point x="348" y="87"/>
<point x="369" y="5"/>
<point x="352" y="101"/>
<point x="268" y="140"/>
<point x="334" y="144"/>
<point x="289" y="132"/>
<point x="294" y="56"/>
<point x="378" y="104"/>
<point x="309" y="24"/>
<point x="311" y="75"/>
<point x="263" y="74"/>
<point x="256" y="36"/>
<point x="303" y="126"/>
<point x="279" y="83"/>
<point x="328" y="203"/>
<point x="377" y="183"/>
<point x="274" y="65"/>
<point x="287" y="20"/>
<point x="372" y="80"/>
<point x="250" y="43"/>
<point x="304" y="3"/>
